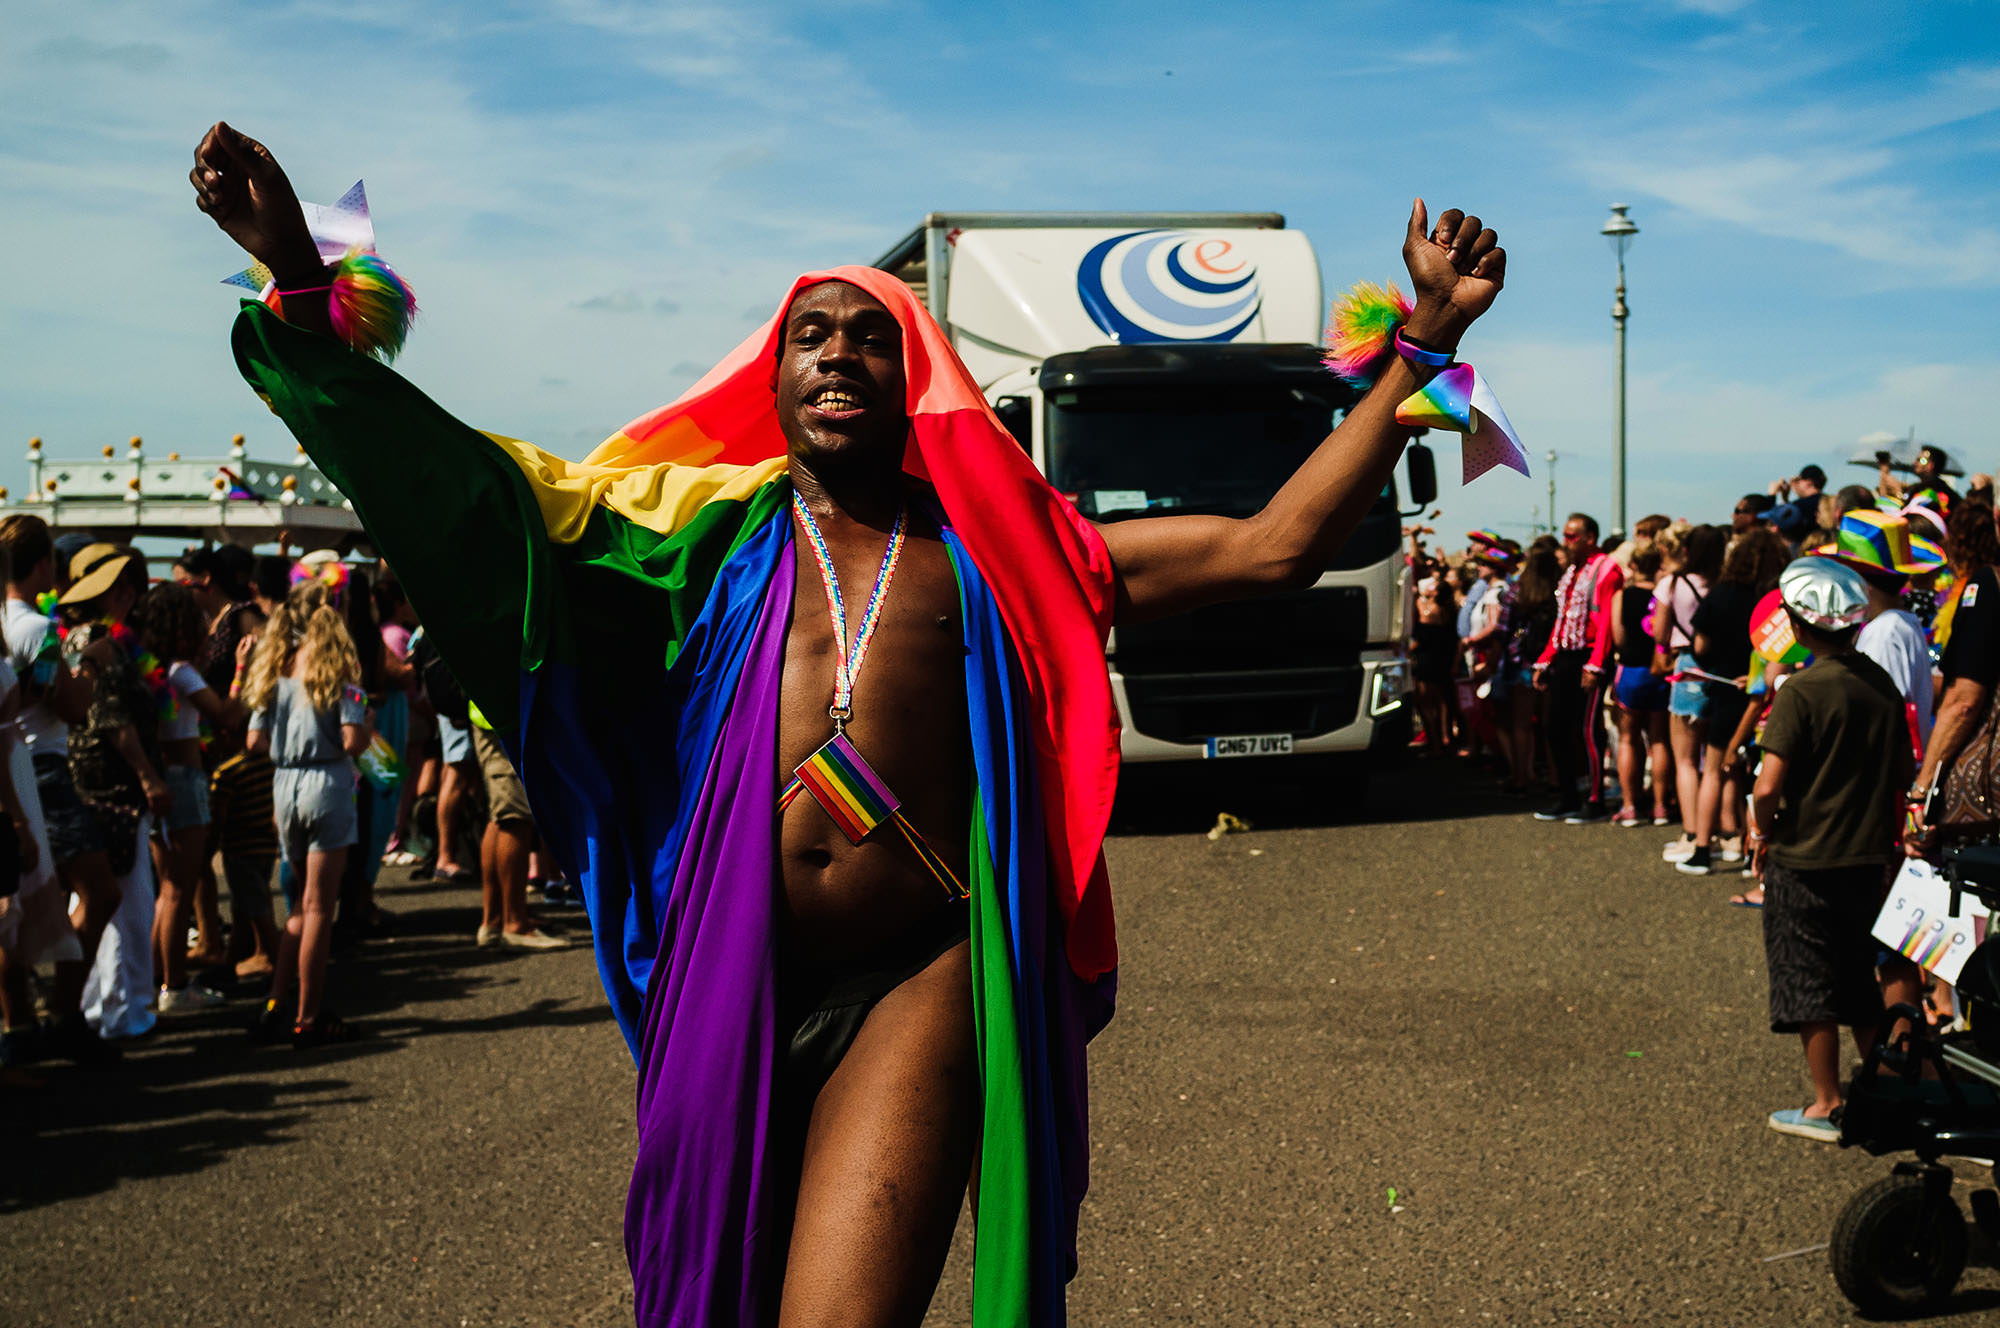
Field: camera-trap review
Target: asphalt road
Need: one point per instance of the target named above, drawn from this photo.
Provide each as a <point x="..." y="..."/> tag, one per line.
<point x="1548" y="1045"/>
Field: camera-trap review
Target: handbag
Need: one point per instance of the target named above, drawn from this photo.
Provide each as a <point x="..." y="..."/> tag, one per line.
<point x="1970" y="794"/>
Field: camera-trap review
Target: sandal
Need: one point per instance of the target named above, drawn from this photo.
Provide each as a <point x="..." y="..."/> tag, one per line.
<point x="269" y="1025"/>
<point x="1745" y="901"/>
<point x="326" y="1027"/>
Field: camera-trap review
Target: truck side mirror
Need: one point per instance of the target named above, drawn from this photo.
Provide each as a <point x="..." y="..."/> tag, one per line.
<point x="1423" y="476"/>
<point x="1018" y="414"/>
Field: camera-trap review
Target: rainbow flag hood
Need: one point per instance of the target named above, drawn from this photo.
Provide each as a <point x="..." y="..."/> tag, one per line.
<point x="621" y="621"/>
<point x="1047" y="566"/>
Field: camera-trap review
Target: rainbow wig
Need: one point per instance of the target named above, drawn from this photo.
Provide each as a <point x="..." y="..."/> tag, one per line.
<point x="332" y="572"/>
<point x="371" y="307"/>
<point x="1360" y="332"/>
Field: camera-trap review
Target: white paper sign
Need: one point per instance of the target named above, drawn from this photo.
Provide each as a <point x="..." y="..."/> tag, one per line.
<point x="1916" y="921"/>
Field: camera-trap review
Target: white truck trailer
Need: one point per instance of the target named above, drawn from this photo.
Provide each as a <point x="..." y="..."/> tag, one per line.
<point x="1158" y="363"/>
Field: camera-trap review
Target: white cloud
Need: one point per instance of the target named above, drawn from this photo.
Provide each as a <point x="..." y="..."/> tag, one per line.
<point x="1806" y="166"/>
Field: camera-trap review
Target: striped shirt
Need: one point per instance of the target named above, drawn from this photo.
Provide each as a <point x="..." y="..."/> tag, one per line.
<point x="239" y="800"/>
<point x="1583" y="599"/>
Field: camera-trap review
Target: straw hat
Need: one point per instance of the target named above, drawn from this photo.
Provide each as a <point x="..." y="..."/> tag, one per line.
<point x="94" y="570"/>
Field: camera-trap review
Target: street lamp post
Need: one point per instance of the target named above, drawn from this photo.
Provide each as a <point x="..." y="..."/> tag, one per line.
<point x="1620" y="230"/>
<point x="1550" y="458"/>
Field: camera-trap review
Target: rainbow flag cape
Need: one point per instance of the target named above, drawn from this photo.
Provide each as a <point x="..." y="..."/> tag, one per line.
<point x="621" y="622"/>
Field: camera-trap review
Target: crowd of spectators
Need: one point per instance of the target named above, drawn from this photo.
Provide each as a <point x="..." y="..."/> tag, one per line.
<point x="267" y="728"/>
<point x="1783" y="692"/>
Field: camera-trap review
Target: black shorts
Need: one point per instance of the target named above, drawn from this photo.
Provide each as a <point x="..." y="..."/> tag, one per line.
<point x="1435" y="651"/>
<point x="1726" y="705"/>
<point x="1818" y="945"/>
<point x="73" y="828"/>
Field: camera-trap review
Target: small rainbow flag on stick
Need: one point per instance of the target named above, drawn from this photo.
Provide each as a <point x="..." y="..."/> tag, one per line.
<point x="842" y="782"/>
<point x="852" y="793"/>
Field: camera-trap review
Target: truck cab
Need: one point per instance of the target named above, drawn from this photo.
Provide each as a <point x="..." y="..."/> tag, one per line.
<point x="1161" y="364"/>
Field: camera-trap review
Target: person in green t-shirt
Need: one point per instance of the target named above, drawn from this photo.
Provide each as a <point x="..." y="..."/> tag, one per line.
<point x="1826" y="816"/>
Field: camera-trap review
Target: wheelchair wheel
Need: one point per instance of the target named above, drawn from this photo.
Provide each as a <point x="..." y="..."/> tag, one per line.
<point x="1894" y="1252"/>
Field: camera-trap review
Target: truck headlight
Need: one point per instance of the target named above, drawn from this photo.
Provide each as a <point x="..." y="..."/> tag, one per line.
<point x="1390" y="685"/>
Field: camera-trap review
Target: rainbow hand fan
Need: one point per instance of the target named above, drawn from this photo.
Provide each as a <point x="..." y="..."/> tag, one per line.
<point x="1460" y="401"/>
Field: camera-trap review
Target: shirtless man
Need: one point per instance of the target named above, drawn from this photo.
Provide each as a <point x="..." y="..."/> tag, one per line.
<point x="886" y="1144"/>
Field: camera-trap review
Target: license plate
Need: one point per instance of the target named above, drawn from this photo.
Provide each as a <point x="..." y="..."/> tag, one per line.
<point x="1255" y="744"/>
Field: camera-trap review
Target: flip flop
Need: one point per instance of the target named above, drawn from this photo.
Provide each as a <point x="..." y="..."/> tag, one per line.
<point x="1744" y="901"/>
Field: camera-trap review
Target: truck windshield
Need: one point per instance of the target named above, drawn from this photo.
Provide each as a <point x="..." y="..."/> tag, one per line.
<point x="1123" y="452"/>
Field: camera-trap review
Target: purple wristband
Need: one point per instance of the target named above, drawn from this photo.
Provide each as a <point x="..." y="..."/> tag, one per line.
<point x="1408" y="348"/>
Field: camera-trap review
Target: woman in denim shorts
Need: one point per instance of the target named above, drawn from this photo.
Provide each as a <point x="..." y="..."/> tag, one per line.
<point x="1691" y="558"/>
<point x="311" y="718"/>
<point x="176" y="630"/>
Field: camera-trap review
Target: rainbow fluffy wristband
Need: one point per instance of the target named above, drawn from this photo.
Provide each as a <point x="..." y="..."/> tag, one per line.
<point x="1361" y="333"/>
<point x="369" y="306"/>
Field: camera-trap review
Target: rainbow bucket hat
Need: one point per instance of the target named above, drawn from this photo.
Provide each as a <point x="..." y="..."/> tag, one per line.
<point x="1882" y="542"/>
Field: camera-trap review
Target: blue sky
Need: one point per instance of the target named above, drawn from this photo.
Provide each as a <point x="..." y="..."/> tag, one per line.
<point x="596" y="199"/>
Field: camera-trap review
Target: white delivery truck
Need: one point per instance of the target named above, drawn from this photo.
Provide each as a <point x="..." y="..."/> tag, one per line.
<point x="1159" y="363"/>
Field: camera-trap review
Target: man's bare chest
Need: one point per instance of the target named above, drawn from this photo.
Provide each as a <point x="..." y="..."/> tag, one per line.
<point x="908" y="698"/>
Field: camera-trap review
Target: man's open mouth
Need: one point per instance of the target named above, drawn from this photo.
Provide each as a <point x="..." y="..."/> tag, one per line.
<point x="836" y="403"/>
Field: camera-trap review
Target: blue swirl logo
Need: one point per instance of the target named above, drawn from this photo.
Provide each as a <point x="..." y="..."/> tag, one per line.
<point x="1168" y="286"/>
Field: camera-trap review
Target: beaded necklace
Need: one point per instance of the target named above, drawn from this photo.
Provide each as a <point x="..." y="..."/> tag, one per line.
<point x="837" y="776"/>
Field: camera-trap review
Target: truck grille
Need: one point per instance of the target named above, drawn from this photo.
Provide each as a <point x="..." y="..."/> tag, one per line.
<point x="1286" y="663"/>
<point x="1323" y="627"/>
<point x="1184" y="707"/>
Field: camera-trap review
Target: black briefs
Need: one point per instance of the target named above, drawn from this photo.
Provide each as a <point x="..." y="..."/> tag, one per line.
<point x="820" y="1021"/>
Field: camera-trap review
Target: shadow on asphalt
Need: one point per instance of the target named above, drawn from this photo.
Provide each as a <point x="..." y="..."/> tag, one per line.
<point x="1288" y="794"/>
<point x="199" y="1088"/>
<point x="169" y="1109"/>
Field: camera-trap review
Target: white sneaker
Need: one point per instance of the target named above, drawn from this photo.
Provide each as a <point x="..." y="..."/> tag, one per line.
<point x="190" y="997"/>
<point x="1678" y="851"/>
<point x="1729" y="848"/>
<point x="489" y="934"/>
<point x="533" y="940"/>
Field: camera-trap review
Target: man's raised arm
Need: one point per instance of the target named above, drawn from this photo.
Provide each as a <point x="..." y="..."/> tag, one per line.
<point x="1170" y="564"/>
<point x="241" y="187"/>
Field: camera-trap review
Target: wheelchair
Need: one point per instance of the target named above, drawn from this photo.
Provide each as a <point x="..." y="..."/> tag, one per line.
<point x="1901" y="1244"/>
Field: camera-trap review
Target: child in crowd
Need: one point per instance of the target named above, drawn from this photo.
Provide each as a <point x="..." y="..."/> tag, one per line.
<point x="1826" y="814"/>
<point x="309" y="715"/>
